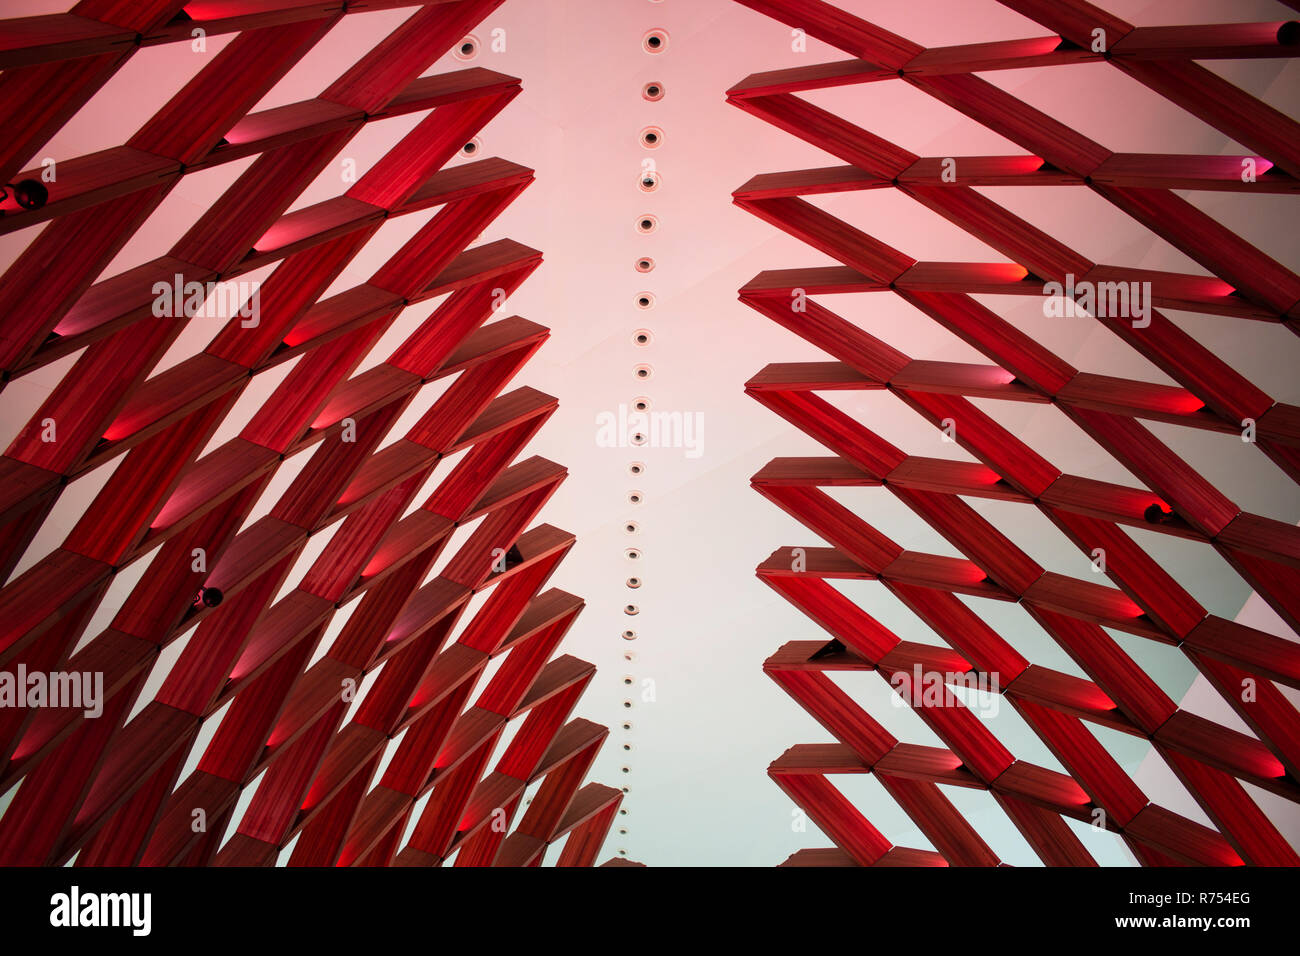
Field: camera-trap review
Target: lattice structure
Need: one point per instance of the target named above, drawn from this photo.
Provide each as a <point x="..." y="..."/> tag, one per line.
<point x="1211" y="760"/>
<point x="108" y="788"/>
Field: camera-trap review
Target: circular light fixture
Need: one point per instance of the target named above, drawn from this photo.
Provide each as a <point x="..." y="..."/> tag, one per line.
<point x="1157" y="514"/>
<point x="28" y="193"/>
<point x="656" y="41"/>
<point x="652" y="137"/>
<point x="647" y="224"/>
<point x="467" y="48"/>
<point x="208" y="597"/>
<point x="645" y="264"/>
<point x="653" y="91"/>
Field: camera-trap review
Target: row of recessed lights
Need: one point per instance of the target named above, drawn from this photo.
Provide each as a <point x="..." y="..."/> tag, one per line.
<point x="651" y="137"/>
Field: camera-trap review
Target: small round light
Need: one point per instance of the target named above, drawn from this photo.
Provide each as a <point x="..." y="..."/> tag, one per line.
<point x="656" y="41"/>
<point x="467" y="48"/>
<point x="30" y="193"/>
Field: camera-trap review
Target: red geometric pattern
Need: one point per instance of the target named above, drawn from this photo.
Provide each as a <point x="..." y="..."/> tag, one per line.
<point x="1245" y="665"/>
<point x="108" y="789"/>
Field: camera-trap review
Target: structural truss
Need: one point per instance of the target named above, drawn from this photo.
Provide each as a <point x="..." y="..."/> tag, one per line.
<point x="257" y="701"/>
<point x="1245" y="665"/>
